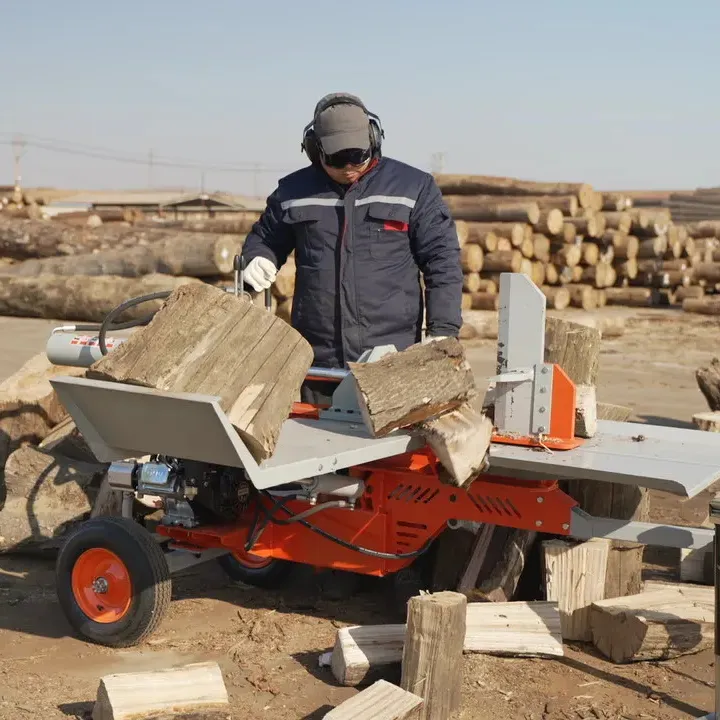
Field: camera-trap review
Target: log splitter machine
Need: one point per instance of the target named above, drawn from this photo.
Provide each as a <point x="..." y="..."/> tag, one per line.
<point x="332" y="495"/>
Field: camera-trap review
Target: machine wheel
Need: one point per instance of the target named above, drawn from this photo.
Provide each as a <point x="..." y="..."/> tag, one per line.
<point x="267" y="573"/>
<point x="113" y="581"/>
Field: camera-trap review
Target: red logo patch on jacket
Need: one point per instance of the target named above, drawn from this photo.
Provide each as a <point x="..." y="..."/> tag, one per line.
<point x="396" y="225"/>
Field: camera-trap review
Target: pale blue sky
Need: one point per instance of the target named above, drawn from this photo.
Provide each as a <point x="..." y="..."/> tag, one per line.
<point x="622" y="94"/>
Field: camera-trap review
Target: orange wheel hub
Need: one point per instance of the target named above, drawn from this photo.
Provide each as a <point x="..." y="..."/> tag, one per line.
<point x="248" y="560"/>
<point x="101" y="585"/>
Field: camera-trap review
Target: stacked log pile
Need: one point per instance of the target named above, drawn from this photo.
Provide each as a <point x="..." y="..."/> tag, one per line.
<point x="581" y="247"/>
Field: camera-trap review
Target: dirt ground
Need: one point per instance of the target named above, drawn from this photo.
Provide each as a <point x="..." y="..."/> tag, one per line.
<point x="268" y="644"/>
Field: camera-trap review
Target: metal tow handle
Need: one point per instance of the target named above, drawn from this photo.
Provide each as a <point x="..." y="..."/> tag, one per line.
<point x="239" y="269"/>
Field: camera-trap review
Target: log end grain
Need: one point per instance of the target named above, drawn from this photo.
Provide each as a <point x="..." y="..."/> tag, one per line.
<point x="414" y="385"/>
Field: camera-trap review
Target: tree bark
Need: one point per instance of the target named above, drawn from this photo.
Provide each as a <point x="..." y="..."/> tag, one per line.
<point x="409" y="387"/>
<point x="206" y="340"/>
<point x="29" y="407"/>
<point x="472" y="209"/>
<point x="240" y="225"/>
<point x="25" y="239"/>
<point x="47" y="495"/>
<point x="85" y="299"/>
<point x="185" y="254"/>
<point x="494" y="185"/>
<point x="708" y="380"/>
<point x="632" y="296"/>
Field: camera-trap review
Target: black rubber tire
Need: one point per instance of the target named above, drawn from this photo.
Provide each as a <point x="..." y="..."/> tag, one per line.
<point x="149" y="574"/>
<point x="270" y="577"/>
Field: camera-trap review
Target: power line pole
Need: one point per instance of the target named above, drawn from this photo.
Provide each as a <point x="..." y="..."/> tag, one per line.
<point x="18" y="146"/>
<point x="150" y="168"/>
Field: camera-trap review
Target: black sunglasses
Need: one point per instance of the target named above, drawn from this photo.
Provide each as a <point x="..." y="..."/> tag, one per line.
<point x="351" y="156"/>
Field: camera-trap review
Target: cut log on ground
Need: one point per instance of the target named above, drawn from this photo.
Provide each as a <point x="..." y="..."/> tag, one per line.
<point x="29" y="407"/>
<point x="184" y="254"/>
<point x="66" y="440"/>
<point x="196" y="690"/>
<point x="702" y="306"/>
<point x="708" y="380"/>
<point x="460" y="440"/>
<point x="621" y="502"/>
<point x="658" y="624"/>
<point x="707" y="421"/>
<point x="381" y="701"/>
<point x="84" y="299"/>
<point x="47" y="496"/>
<point x="409" y="387"/>
<point x="575" y="578"/>
<point x="436" y="627"/>
<point x="517" y="629"/>
<point x="608" y="411"/>
<point x="209" y="341"/>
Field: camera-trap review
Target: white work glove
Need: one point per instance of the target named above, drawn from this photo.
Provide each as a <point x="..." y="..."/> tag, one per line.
<point x="260" y="274"/>
<point x="432" y="338"/>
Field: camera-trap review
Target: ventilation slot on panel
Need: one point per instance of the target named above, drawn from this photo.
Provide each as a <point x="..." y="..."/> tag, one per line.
<point x="412" y="493"/>
<point x="407" y="533"/>
<point x="495" y="505"/>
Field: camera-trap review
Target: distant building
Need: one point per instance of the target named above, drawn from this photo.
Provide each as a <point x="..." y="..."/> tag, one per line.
<point x="167" y="204"/>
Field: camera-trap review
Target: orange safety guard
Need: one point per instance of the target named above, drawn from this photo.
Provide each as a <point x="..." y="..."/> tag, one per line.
<point x="561" y="435"/>
<point x="404" y="506"/>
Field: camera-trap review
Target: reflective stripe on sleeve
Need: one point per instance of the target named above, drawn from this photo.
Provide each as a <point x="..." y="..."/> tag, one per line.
<point x="305" y="202"/>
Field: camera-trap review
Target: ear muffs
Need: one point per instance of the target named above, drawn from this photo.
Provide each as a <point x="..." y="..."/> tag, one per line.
<point x="310" y="144"/>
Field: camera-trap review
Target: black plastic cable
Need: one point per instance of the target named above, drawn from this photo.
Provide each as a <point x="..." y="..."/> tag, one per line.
<point x="107" y="322"/>
<point x="340" y="541"/>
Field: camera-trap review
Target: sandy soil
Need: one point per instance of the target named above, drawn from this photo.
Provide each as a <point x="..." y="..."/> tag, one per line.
<point x="268" y="644"/>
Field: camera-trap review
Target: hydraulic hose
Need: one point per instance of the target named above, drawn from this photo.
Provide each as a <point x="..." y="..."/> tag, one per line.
<point x="107" y="322"/>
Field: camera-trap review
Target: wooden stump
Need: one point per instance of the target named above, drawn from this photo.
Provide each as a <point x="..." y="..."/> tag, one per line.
<point x="414" y="385"/>
<point x="621" y="502"/>
<point x="658" y="624"/>
<point x="204" y="340"/>
<point x="575" y="578"/>
<point x="196" y="690"/>
<point x="432" y="653"/>
<point x="380" y="701"/>
<point x="707" y="421"/>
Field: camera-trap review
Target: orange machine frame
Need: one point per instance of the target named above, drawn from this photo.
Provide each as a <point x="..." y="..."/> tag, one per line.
<point x="405" y="505"/>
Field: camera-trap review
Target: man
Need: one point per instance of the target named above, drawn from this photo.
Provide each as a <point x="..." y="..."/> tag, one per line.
<point x="364" y="228"/>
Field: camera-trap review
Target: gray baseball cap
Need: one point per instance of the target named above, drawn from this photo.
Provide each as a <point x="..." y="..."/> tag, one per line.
<point x="342" y="127"/>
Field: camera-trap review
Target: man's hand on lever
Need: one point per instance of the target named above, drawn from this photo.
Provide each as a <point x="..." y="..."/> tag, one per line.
<point x="260" y="274"/>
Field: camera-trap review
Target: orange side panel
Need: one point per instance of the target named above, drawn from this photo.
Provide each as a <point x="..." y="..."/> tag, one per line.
<point x="405" y="505"/>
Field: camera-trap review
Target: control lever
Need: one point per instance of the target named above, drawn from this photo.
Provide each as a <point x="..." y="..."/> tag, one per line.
<point x="239" y="270"/>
